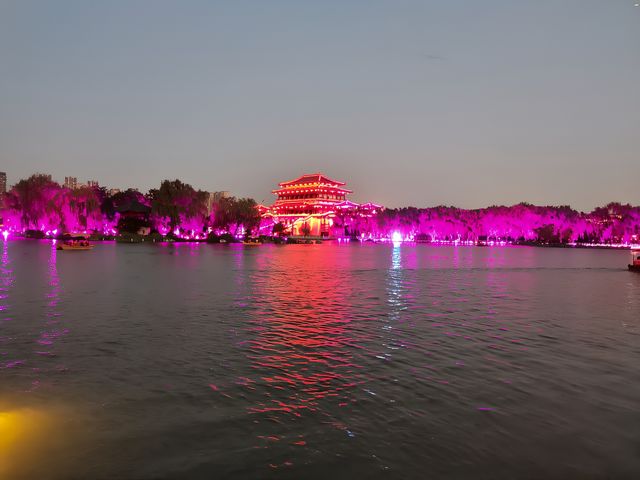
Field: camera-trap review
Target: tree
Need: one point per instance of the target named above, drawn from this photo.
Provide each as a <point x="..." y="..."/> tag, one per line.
<point x="223" y="213"/>
<point x="37" y="201"/>
<point x="246" y="214"/>
<point x="128" y="196"/>
<point x="546" y="234"/>
<point x="566" y="235"/>
<point x="178" y="202"/>
<point x="84" y="204"/>
<point x="230" y="213"/>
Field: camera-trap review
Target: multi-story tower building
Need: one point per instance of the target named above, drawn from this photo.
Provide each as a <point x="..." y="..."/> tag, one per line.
<point x="307" y="205"/>
<point x="309" y="195"/>
<point x="311" y="205"/>
<point x="71" y="182"/>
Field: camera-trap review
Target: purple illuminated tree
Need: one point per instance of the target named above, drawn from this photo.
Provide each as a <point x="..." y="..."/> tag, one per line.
<point x="178" y="205"/>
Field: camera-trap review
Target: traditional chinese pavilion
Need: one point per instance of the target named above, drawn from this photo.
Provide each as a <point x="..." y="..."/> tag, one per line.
<point x="309" y="204"/>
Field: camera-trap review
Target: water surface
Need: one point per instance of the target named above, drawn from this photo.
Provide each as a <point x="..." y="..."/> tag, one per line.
<point x="318" y="361"/>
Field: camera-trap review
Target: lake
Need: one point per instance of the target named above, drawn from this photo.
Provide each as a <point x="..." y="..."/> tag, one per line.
<point x="194" y="361"/>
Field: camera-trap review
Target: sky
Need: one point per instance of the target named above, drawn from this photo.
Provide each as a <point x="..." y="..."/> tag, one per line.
<point x="413" y="103"/>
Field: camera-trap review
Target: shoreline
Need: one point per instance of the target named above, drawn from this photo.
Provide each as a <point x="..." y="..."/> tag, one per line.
<point x="317" y="241"/>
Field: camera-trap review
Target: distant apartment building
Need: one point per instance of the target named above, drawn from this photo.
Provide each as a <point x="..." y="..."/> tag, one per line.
<point x="71" y="182"/>
<point x="113" y="191"/>
<point x="3" y="189"/>
<point x="93" y="184"/>
<point x="214" y="197"/>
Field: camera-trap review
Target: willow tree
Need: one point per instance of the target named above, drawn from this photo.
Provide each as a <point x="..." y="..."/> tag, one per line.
<point x="247" y="214"/>
<point x="37" y="201"/>
<point x="230" y="213"/>
<point x="179" y="204"/>
<point x="84" y="203"/>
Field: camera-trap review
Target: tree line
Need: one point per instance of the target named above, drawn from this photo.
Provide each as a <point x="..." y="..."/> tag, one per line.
<point x="175" y="207"/>
<point x="612" y="223"/>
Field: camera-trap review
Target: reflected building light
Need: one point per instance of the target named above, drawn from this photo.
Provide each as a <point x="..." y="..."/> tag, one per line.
<point x="396" y="259"/>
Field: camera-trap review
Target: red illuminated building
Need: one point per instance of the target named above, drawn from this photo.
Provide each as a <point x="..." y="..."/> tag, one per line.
<point x="309" y="205"/>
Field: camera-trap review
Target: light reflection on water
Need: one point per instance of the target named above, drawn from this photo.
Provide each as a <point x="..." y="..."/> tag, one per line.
<point x="311" y="361"/>
<point x="6" y="282"/>
<point x="35" y="442"/>
<point x="301" y="350"/>
<point x="51" y="329"/>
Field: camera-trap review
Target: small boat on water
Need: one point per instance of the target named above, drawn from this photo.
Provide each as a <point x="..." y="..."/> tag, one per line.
<point x="252" y="242"/>
<point x="75" y="242"/>
<point x="634" y="266"/>
<point x="75" y="246"/>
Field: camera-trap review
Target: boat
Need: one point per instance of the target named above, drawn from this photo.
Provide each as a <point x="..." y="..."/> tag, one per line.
<point x="70" y="246"/>
<point x="252" y="242"/>
<point x="79" y="242"/>
<point x="634" y="266"/>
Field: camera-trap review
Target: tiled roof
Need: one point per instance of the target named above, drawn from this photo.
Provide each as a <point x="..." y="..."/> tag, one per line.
<point x="312" y="178"/>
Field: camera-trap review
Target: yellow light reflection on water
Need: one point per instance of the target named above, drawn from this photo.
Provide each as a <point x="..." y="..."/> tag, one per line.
<point x="21" y="434"/>
<point x="32" y="442"/>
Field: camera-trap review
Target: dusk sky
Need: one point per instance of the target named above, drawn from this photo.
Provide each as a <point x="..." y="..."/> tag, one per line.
<point x="467" y="103"/>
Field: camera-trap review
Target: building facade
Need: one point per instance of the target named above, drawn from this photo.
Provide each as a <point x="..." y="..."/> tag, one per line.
<point x="71" y="182"/>
<point x="3" y="190"/>
<point x="215" y="197"/>
<point x="313" y="205"/>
